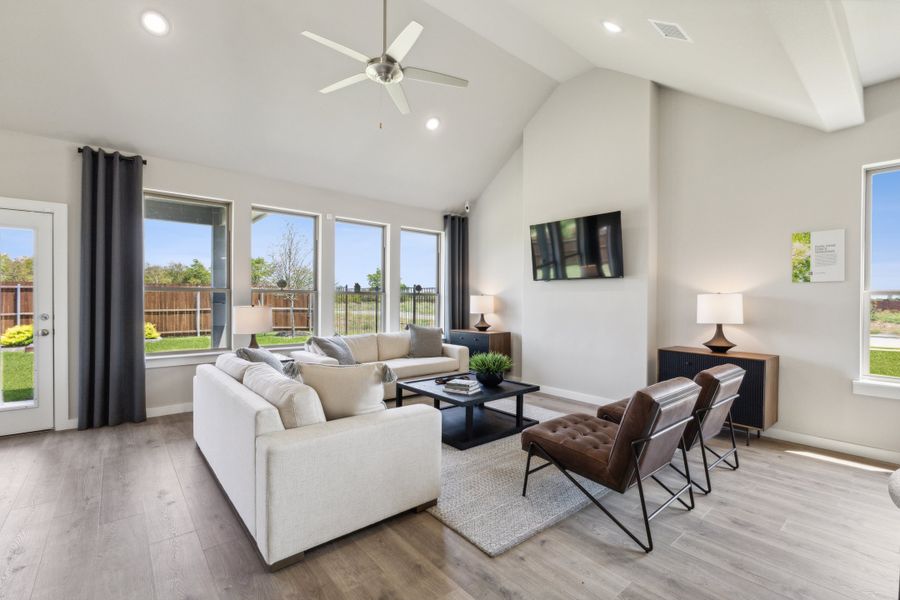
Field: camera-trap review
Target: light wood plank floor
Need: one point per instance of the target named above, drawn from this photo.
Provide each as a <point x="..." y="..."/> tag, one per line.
<point x="133" y="512"/>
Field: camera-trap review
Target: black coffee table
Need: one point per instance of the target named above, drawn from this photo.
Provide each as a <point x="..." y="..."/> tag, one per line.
<point x="468" y="422"/>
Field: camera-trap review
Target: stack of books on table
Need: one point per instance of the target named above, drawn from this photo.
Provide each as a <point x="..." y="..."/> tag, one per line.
<point x="466" y="387"/>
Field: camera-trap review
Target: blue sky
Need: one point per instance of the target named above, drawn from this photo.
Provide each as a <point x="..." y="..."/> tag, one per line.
<point x="885" y="272"/>
<point x="168" y="241"/>
<point x="357" y="247"/>
<point x="16" y="242"/>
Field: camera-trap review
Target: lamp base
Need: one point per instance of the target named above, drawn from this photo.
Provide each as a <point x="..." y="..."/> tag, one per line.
<point x="482" y="325"/>
<point x="253" y="342"/>
<point x="719" y="343"/>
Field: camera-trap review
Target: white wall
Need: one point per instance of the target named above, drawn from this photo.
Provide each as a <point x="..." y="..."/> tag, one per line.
<point x="496" y="264"/>
<point x="591" y="148"/>
<point x="36" y="168"/>
<point x="733" y="186"/>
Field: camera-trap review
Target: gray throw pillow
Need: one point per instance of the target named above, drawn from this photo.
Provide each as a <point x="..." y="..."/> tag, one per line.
<point x="425" y="342"/>
<point x="336" y="348"/>
<point x="292" y="370"/>
<point x="260" y="355"/>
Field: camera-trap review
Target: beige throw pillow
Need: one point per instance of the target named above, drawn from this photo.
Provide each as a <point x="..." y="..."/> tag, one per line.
<point x="232" y="365"/>
<point x="393" y="345"/>
<point x="346" y="391"/>
<point x="297" y="404"/>
<point x="363" y="346"/>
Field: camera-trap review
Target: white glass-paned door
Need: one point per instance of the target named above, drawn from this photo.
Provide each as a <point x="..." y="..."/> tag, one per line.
<point x="26" y="321"/>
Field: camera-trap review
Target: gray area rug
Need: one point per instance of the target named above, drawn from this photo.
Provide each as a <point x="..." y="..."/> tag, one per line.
<point x="481" y="491"/>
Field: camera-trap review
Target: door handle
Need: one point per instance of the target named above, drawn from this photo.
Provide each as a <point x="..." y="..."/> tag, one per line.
<point x="45" y="332"/>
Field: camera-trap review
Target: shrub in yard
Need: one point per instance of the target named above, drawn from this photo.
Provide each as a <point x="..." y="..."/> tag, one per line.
<point x="150" y="332"/>
<point x="17" y="335"/>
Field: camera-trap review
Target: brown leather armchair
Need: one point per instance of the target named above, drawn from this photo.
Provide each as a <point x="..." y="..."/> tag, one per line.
<point x="621" y="455"/>
<point x="718" y="390"/>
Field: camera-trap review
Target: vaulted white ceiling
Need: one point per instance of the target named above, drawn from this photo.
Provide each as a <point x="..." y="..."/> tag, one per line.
<point x="235" y="86"/>
<point x="800" y="60"/>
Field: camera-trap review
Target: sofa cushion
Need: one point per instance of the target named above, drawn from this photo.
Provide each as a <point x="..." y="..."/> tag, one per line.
<point x="393" y="345"/>
<point x="421" y="367"/>
<point x="347" y="391"/>
<point x="425" y="342"/>
<point x="232" y="365"/>
<point x="297" y="404"/>
<point x="334" y="347"/>
<point x="259" y="355"/>
<point x="364" y="347"/>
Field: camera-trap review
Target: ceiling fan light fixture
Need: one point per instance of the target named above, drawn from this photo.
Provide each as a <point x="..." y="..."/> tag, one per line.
<point x="612" y="27"/>
<point x="155" y="23"/>
<point x="432" y="123"/>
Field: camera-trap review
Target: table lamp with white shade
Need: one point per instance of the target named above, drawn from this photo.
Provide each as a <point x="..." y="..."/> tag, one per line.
<point x="480" y="305"/>
<point x="718" y="310"/>
<point x="250" y="320"/>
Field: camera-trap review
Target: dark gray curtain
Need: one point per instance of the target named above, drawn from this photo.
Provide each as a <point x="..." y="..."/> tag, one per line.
<point x="456" y="232"/>
<point x="111" y="336"/>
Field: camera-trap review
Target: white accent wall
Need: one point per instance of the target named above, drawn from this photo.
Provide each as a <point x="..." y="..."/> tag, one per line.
<point x="37" y="168"/>
<point x="591" y="148"/>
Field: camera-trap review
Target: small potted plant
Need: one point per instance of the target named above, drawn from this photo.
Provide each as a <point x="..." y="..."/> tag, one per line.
<point x="489" y="368"/>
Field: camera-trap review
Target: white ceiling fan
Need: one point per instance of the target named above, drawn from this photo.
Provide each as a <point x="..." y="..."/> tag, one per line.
<point x="386" y="68"/>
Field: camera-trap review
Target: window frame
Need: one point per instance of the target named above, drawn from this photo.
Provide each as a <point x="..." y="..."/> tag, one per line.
<point x="382" y="318"/>
<point x="317" y="274"/>
<point x="164" y="359"/>
<point x="439" y="270"/>
<point x="868" y="172"/>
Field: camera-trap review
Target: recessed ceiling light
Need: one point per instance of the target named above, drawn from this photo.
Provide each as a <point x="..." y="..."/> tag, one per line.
<point x="154" y="23"/>
<point x="612" y="27"/>
<point x="432" y="123"/>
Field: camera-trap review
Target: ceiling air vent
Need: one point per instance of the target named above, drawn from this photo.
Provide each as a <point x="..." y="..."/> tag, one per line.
<point x="672" y="31"/>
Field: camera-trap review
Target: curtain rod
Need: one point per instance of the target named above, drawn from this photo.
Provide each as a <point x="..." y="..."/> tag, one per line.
<point x="81" y="150"/>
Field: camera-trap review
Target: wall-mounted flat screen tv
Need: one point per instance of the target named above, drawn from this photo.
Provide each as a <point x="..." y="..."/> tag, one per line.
<point x="581" y="248"/>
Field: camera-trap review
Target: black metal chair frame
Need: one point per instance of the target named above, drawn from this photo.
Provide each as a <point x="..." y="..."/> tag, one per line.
<point x="637" y="447"/>
<point x="704" y="448"/>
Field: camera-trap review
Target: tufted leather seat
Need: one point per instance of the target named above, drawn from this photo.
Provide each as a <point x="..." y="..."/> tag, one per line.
<point x="581" y="442"/>
<point x="602" y="450"/>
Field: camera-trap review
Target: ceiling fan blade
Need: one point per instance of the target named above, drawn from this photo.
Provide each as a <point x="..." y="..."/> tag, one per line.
<point x="399" y="98"/>
<point x="344" y="83"/>
<point x="335" y="46"/>
<point x="403" y="43"/>
<point x="434" y="77"/>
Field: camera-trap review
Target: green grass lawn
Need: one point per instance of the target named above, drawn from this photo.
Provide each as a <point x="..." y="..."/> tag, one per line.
<point x="885" y="362"/>
<point x="17" y="372"/>
<point x="202" y="342"/>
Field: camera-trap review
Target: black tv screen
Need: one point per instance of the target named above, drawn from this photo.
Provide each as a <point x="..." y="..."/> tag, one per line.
<point x="581" y="248"/>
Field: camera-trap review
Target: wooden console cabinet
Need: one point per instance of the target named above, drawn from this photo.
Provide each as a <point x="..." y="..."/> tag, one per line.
<point x="482" y="341"/>
<point x="757" y="406"/>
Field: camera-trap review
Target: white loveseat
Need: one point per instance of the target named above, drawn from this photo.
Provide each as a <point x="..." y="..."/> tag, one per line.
<point x="295" y="489"/>
<point x="392" y="349"/>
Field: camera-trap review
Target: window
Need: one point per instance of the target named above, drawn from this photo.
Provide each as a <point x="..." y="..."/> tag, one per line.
<point x="419" y="278"/>
<point x="881" y="290"/>
<point x="359" y="278"/>
<point x="187" y="295"/>
<point x="283" y="274"/>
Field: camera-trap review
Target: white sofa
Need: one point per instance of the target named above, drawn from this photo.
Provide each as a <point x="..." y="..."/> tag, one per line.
<point x="392" y="349"/>
<point x="295" y="489"/>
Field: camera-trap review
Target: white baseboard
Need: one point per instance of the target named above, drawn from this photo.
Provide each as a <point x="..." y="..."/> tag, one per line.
<point x="577" y="396"/>
<point x="891" y="456"/>
<point x="67" y="424"/>
<point x="153" y="411"/>
<point x="170" y="409"/>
